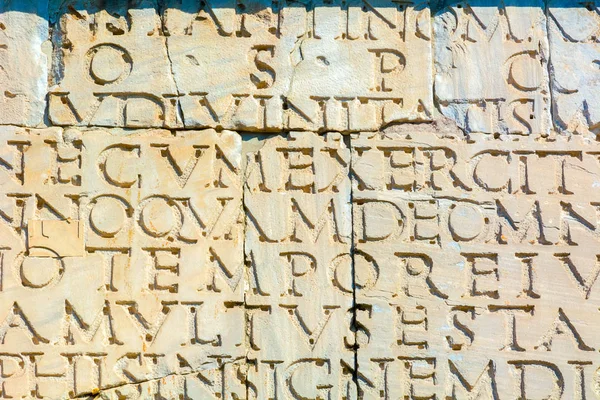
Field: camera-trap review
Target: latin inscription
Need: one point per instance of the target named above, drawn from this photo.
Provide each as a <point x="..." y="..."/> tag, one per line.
<point x="491" y="67"/>
<point x="182" y="217"/>
<point x="474" y="270"/>
<point x="257" y="66"/>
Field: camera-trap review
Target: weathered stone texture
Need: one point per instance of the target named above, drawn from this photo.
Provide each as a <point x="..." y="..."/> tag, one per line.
<point x="113" y="69"/>
<point x="23" y="64"/>
<point x="255" y="66"/>
<point x="298" y="250"/>
<point x="128" y="272"/>
<point x="473" y="268"/>
<point x="573" y="32"/>
<point x="491" y="66"/>
<point x="339" y="200"/>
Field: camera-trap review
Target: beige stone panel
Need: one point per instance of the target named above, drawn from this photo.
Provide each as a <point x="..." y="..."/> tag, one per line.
<point x="112" y="68"/>
<point x="159" y="287"/>
<point x="253" y="66"/>
<point x="298" y="238"/>
<point x="573" y="33"/>
<point x="23" y="63"/>
<point x="475" y="266"/>
<point x="491" y="72"/>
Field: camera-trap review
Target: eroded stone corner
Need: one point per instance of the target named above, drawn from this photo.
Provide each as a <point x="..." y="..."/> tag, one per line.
<point x="466" y="258"/>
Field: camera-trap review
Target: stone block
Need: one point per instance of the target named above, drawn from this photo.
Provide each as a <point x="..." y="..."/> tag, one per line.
<point x="248" y="65"/>
<point x="121" y="263"/>
<point x="491" y="72"/>
<point x="575" y="50"/>
<point x="474" y="274"/>
<point x="112" y="68"/>
<point x="298" y="241"/>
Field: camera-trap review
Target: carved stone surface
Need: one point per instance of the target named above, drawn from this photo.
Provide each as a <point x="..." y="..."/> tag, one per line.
<point x="114" y="68"/>
<point x="473" y="271"/>
<point x="299" y="200"/>
<point x="244" y="65"/>
<point x="473" y="268"/>
<point x="573" y="33"/>
<point x="300" y="295"/>
<point x="491" y="66"/>
<point x="152" y="284"/>
<point x="23" y="63"/>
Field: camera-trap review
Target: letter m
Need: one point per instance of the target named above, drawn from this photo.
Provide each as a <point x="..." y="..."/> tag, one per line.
<point x="310" y="218"/>
<point x="484" y="386"/>
<point x="73" y="322"/>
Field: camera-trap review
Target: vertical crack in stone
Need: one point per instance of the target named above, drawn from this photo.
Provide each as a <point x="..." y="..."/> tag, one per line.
<point x="246" y="266"/>
<point x="356" y="346"/>
<point x="549" y="65"/>
<point x="162" y="8"/>
<point x="54" y="70"/>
